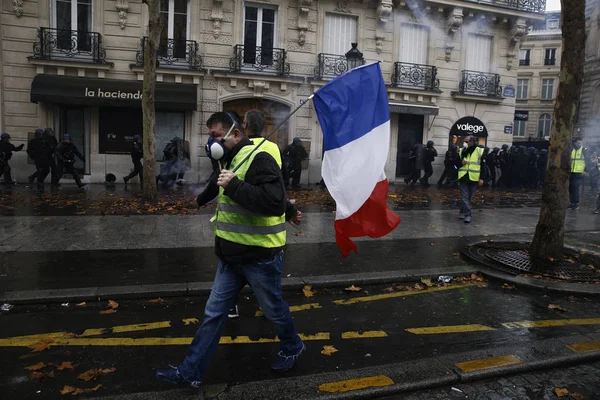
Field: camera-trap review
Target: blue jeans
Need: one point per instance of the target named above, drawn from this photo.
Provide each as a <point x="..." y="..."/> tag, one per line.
<point x="467" y="190"/>
<point x="575" y="182"/>
<point x="264" y="277"/>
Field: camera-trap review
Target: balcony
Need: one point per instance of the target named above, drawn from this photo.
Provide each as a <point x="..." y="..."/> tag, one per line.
<point x="415" y="76"/>
<point x="534" y="6"/>
<point x="476" y="83"/>
<point x="66" y="45"/>
<point x="257" y="59"/>
<point x="174" y="53"/>
<point x="524" y="62"/>
<point x="330" y="65"/>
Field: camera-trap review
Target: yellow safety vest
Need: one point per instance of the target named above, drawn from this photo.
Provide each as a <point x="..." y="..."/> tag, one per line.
<point x="270" y="148"/>
<point x="240" y="225"/>
<point x="577" y="161"/>
<point x="473" y="165"/>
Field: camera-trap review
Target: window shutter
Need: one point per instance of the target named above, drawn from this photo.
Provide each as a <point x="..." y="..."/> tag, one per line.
<point x="479" y="53"/>
<point x="340" y="32"/>
<point x="414" y="42"/>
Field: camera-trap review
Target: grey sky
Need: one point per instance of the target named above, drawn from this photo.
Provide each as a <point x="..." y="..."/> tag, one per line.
<point x="552" y="5"/>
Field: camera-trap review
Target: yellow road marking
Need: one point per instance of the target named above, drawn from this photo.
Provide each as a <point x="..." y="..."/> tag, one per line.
<point x="364" y="335"/>
<point x="302" y="307"/>
<point x="487" y="363"/>
<point x="318" y="336"/>
<point x="141" y="327"/>
<point x="356" y="384"/>
<point x="94" y="332"/>
<point x="585" y="347"/>
<point x="435" y="330"/>
<point x="552" y="322"/>
<point x="398" y="294"/>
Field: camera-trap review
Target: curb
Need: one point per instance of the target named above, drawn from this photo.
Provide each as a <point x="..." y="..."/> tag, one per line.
<point x="204" y="288"/>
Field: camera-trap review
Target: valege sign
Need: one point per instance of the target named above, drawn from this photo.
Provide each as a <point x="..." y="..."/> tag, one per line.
<point x="469" y="126"/>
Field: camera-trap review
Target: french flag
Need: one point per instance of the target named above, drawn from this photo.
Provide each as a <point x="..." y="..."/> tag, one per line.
<point x="355" y="120"/>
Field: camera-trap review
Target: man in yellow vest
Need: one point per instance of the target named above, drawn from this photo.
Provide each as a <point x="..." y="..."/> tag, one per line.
<point x="472" y="174"/>
<point x="250" y="232"/>
<point x="578" y="168"/>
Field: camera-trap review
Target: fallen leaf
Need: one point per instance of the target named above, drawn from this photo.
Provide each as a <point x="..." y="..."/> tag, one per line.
<point x="457" y="254"/>
<point x="94" y="373"/>
<point x="572" y="298"/>
<point x="188" y="321"/>
<point x="42" y="345"/>
<point x="477" y="278"/>
<point x="308" y="292"/>
<point x="82" y="304"/>
<point x="66" y="365"/>
<point x="576" y="396"/>
<point x="156" y="301"/>
<point x="486" y="235"/>
<point x="113" y="304"/>
<point x="73" y="390"/>
<point x="353" y="289"/>
<point x="67" y="389"/>
<point x="418" y="286"/>
<point x="561" y="392"/>
<point x="328" y="350"/>
<point x="109" y="311"/>
<point x="299" y="233"/>
<point x="426" y="282"/>
<point x="507" y="286"/>
<point x="36" y="367"/>
<point x="36" y="375"/>
<point x="390" y="289"/>
<point x="432" y="244"/>
<point x="556" y="307"/>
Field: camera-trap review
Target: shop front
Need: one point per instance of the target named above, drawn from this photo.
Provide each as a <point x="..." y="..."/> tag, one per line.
<point x="103" y="115"/>
<point x="468" y="126"/>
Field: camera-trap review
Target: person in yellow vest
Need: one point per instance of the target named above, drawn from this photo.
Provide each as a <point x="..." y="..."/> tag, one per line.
<point x="578" y="169"/>
<point x="250" y="233"/>
<point x="471" y="175"/>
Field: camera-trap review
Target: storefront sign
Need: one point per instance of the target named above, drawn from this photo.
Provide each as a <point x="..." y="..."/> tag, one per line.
<point x="110" y="92"/>
<point x="521" y="115"/>
<point x="469" y="126"/>
<point x="508" y="129"/>
<point x="509" y="91"/>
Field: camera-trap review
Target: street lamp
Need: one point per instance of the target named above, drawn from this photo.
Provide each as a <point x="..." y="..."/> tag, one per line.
<point x="354" y="57"/>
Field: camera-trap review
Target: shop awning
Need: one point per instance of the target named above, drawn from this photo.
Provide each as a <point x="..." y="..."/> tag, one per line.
<point x="110" y="92"/>
<point x="414" y="109"/>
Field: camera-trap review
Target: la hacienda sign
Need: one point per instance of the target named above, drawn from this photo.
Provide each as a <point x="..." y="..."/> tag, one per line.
<point x="106" y="94"/>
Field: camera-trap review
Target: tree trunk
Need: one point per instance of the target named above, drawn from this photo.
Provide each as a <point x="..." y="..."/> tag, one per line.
<point x="148" y="111"/>
<point x="548" y="241"/>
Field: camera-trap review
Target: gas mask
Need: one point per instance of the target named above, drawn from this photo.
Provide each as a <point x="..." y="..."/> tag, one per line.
<point x="465" y="145"/>
<point x="215" y="149"/>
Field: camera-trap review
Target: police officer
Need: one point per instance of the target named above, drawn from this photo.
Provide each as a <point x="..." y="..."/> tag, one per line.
<point x="542" y="165"/>
<point x="51" y="145"/>
<point x="578" y="168"/>
<point x="294" y="154"/>
<point x="532" y="173"/>
<point x="66" y="153"/>
<point x="429" y="155"/>
<point x="492" y="163"/>
<point x="137" y="153"/>
<point x="414" y="163"/>
<point x="36" y="148"/>
<point x="471" y="174"/>
<point x="450" y="167"/>
<point x="504" y="164"/>
<point x="6" y="150"/>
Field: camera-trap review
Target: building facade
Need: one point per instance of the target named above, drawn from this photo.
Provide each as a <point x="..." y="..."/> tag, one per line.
<point x="537" y="80"/>
<point x="77" y="65"/>
<point x="588" y="125"/>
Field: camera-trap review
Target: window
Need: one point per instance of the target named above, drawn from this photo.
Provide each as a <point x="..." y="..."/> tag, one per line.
<point x="340" y="32"/>
<point x="73" y="20"/>
<point x="550" y="57"/>
<point x="520" y="128"/>
<point x="259" y="34"/>
<point x="479" y="53"/>
<point x="522" y="88"/>
<point x="552" y="24"/>
<point x="414" y="42"/>
<point x="547" y="89"/>
<point x="545" y="123"/>
<point x="173" y="16"/>
<point x="524" y="57"/>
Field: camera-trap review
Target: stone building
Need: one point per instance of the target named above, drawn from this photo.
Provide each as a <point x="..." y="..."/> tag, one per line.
<point x="537" y="80"/>
<point x="77" y="66"/>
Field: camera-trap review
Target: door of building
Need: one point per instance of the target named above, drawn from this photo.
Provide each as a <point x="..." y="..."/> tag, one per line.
<point x="73" y="122"/>
<point x="410" y="132"/>
<point x="275" y="113"/>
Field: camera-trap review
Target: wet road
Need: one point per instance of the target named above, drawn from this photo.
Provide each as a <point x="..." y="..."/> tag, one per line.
<point x="378" y="325"/>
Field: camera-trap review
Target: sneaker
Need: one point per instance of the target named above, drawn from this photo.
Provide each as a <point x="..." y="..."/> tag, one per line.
<point x="575" y="207"/>
<point x="172" y="375"/>
<point x="285" y="363"/>
<point x="234" y="312"/>
<point x="461" y="216"/>
<point x="468" y="219"/>
<point x="597" y="211"/>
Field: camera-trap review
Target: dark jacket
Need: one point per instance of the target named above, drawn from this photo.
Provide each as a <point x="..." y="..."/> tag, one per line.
<point x="36" y="148"/>
<point x="429" y="155"/>
<point x="484" y="171"/>
<point x="295" y="153"/>
<point x="66" y="152"/>
<point x="6" y="150"/>
<point x="51" y="144"/>
<point x="137" y="152"/>
<point x="262" y="191"/>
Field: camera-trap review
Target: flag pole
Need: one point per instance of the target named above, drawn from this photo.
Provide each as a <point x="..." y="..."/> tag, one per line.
<point x="271" y="134"/>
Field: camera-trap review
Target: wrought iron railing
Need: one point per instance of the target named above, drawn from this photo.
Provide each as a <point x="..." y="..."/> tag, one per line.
<point x="480" y="84"/>
<point x="62" y="44"/>
<point x="259" y="59"/>
<point x="525" y="61"/>
<point x="173" y="53"/>
<point x="535" y="6"/>
<point x="415" y="76"/>
<point x="330" y="66"/>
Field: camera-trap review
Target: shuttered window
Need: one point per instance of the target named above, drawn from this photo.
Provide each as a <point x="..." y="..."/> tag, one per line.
<point x="414" y="42"/>
<point x="479" y="53"/>
<point x="340" y="32"/>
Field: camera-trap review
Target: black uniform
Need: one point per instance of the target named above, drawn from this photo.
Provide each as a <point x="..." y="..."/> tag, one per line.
<point x="532" y="166"/>
<point x="37" y="150"/>
<point x="492" y="161"/>
<point x="137" y="154"/>
<point x="66" y="153"/>
<point x="429" y="155"/>
<point x="504" y="163"/>
<point x="294" y="154"/>
<point x="451" y="165"/>
<point x="414" y="162"/>
<point x="6" y="150"/>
